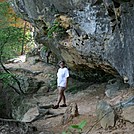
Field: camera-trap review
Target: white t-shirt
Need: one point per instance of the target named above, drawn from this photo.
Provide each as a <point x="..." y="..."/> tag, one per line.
<point x="62" y="75"/>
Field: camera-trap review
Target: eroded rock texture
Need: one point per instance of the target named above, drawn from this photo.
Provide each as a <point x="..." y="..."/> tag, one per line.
<point x="94" y="35"/>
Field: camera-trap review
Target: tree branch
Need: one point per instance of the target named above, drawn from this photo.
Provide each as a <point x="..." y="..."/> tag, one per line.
<point x="4" y="68"/>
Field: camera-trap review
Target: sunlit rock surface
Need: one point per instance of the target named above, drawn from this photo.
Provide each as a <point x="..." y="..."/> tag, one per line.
<point x="98" y="34"/>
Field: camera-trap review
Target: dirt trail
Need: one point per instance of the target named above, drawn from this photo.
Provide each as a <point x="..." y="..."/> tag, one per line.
<point x="86" y="101"/>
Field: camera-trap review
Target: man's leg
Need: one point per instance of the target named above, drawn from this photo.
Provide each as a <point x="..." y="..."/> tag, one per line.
<point x="61" y="93"/>
<point x="61" y="96"/>
<point x="64" y="98"/>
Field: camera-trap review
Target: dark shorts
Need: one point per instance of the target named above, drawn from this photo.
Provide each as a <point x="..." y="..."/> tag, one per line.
<point x="61" y="88"/>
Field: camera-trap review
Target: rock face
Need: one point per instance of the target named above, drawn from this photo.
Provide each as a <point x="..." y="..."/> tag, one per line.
<point x="105" y="114"/>
<point x="70" y="113"/>
<point x="89" y="35"/>
<point x="15" y="127"/>
<point x="114" y="87"/>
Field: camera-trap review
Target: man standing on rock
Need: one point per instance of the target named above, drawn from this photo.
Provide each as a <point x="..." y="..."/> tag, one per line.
<point x="62" y="82"/>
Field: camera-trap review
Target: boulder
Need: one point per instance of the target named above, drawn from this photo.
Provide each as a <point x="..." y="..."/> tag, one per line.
<point x="70" y="113"/>
<point x="29" y="84"/>
<point x="114" y="87"/>
<point x="30" y="115"/>
<point x="128" y="114"/>
<point x="105" y="114"/>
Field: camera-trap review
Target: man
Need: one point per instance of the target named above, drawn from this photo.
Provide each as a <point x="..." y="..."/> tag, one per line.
<point x="62" y="82"/>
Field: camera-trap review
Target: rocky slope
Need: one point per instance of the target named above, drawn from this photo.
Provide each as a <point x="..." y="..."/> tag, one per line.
<point x="113" y="99"/>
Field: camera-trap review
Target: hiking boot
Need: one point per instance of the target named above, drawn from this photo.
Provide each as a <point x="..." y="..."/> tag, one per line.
<point x="55" y="107"/>
<point x="63" y="105"/>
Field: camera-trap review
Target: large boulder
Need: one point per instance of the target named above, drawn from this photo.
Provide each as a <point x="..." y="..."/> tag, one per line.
<point x="96" y="34"/>
<point x="29" y="84"/>
<point x="105" y="114"/>
<point x="128" y="115"/>
<point x="127" y="107"/>
<point x="114" y="87"/>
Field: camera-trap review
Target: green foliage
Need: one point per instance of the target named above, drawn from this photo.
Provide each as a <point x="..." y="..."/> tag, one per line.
<point x="64" y="133"/>
<point x="13" y="46"/>
<point x="6" y="78"/>
<point x="2" y="105"/>
<point x="11" y="36"/>
<point x="4" y="15"/>
<point x="53" y="84"/>
<point x="77" y="128"/>
<point x="54" y="29"/>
